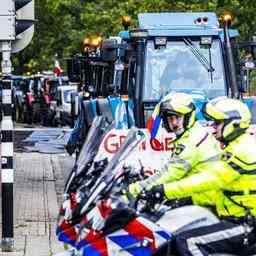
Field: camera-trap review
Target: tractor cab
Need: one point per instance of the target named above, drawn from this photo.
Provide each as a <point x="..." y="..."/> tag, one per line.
<point x="182" y="52"/>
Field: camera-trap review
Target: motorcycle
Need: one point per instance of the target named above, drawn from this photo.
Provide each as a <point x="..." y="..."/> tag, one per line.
<point x="108" y="221"/>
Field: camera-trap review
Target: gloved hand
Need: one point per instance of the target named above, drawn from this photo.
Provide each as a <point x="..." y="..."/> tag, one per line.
<point x="135" y="189"/>
<point x="156" y="194"/>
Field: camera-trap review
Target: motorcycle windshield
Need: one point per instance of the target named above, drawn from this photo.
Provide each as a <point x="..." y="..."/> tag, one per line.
<point x="99" y="128"/>
<point x="108" y="177"/>
<point x="133" y="139"/>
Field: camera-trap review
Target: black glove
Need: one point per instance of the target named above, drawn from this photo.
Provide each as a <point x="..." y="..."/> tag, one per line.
<point x="147" y="200"/>
<point x="156" y="194"/>
<point x="175" y="203"/>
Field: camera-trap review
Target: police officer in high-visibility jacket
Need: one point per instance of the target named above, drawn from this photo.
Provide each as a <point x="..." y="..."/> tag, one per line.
<point x="195" y="149"/>
<point x="236" y="199"/>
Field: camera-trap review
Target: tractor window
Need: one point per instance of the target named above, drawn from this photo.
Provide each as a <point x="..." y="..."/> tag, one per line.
<point x="176" y="68"/>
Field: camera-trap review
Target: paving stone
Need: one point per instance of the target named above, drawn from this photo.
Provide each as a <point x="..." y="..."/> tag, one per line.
<point x="36" y="202"/>
<point x="37" y="245"/>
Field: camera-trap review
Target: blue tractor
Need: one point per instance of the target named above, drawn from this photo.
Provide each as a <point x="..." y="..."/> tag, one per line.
<point x="186" y="52"/>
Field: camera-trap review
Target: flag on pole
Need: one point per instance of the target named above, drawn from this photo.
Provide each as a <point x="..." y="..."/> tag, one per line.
<point x="57" y="69"/>
<point x="154" y="123"/>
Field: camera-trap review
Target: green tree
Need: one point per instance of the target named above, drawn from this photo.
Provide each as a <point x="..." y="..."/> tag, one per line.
<point x="62" y="24"/>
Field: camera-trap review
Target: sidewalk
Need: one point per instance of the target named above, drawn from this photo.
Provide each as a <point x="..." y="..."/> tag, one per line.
<point x="39" y="182"/>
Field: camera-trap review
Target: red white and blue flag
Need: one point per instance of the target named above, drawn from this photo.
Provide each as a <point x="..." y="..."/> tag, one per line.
<point x="57" y="69"/>
<point x="153" y="125"/>
<point x="154" y="122"/>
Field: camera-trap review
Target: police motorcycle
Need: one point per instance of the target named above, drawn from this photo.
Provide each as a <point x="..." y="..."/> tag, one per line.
<point x="88" y="169"/>
<point x="108" y="221"/>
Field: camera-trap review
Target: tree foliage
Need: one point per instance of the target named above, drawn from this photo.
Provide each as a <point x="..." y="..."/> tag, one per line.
<point x="62" y="24"/>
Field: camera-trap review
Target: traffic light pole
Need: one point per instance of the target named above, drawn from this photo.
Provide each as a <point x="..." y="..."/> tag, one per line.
<point x="7" y="173"/>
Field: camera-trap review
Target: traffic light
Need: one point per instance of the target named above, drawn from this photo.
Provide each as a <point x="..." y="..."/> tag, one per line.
<point x="7" y="21"/>
<point x="24" y="24"/>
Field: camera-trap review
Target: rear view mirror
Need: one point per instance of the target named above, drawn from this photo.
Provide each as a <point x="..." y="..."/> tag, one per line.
<point x="109" y="50"/>
<point x="74" y="68"/>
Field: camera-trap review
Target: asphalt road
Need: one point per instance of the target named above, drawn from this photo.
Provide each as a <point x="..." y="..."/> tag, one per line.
<point x="65" y="161"/>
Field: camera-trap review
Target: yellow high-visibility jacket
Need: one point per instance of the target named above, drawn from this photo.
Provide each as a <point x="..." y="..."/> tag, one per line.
<point x="231" y="184"/>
